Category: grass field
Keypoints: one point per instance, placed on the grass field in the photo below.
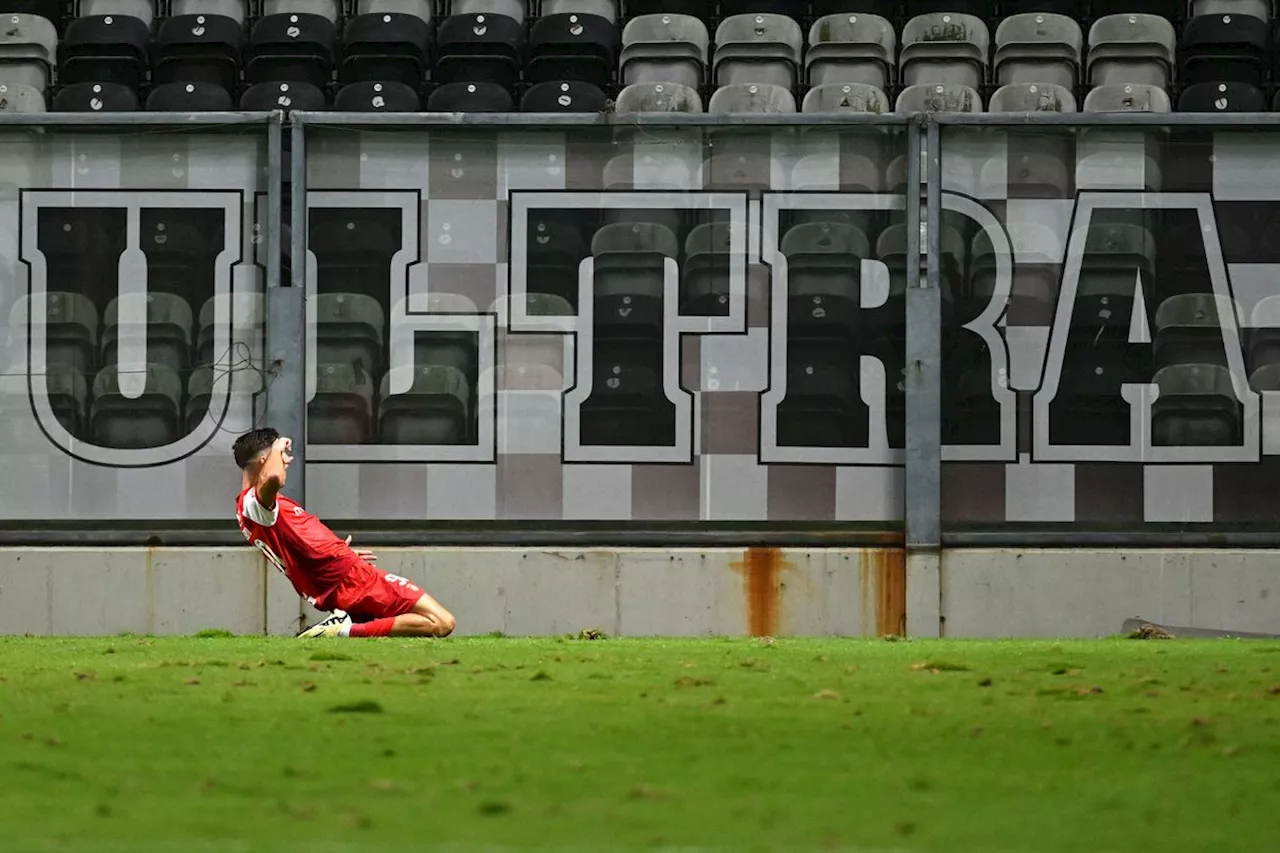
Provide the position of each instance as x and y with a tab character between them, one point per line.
248	744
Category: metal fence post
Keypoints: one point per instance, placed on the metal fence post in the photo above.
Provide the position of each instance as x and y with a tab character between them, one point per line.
286	308
923	379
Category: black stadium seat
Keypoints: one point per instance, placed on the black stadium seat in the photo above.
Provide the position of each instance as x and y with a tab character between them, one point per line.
573	47
294	48
264	97
189	97
105	49
386	46
470	98
479	48
377	97
1224	48
563	97
95	98
199	49
1222	98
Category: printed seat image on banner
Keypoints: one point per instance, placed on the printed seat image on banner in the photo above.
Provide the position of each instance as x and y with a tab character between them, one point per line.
433	410
341	412
150	420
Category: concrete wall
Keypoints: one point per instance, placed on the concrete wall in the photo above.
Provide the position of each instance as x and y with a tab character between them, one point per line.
684	592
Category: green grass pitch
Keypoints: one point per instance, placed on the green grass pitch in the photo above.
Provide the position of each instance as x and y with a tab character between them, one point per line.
251	744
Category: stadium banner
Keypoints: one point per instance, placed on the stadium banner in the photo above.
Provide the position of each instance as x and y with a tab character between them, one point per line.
132	272
1110	358
607	322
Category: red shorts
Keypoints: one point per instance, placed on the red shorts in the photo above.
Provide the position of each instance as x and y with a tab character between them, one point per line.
371	593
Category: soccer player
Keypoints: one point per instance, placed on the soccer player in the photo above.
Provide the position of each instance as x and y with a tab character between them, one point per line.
364	601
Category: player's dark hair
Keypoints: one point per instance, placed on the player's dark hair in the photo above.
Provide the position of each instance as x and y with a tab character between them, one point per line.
248	446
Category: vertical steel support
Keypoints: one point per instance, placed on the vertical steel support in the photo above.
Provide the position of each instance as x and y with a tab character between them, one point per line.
286	305
924	372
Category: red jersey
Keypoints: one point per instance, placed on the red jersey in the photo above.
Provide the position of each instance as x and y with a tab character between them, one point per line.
297	543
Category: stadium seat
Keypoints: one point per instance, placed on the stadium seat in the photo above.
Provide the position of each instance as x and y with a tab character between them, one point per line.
51	10
423	10
823	289
1032	97
1169	9
757	49
658	98
1036	295
386	46
703	9
1038	48
704	276
607	9
822	408
917	8
470	98
846	98
350	329
946	49
627	407
1196	407
1222	98
1069	8
435	409
664	49
630	261
1131	49
376	97
199	49
851	49
556	250
1115	253
70	327
68	395
1125	97
1263	343
754	7
747	98
28	51
330	9
939	98
20	98
167	326
1188	330
263	97
94	98
577	47
1088	408
563	97
247	316
151	420
517	10
479	49
143	10
342	410
292	48
1260	9
1225	49
236	10
106	49
189	97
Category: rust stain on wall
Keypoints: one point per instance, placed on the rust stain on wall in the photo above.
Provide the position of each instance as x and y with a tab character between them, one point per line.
761	570
888	568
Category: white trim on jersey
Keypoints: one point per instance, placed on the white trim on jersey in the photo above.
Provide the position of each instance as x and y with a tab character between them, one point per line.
255	511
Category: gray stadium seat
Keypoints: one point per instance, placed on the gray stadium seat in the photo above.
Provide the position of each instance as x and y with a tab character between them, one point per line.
446	348
1032	97
330	9
629	258
168	329
845	98
1131	49
939	98
657	98
1127	97
151	420
515	9
19	98
423	9
350	329
664	49
234	9
68	391
1265	378
143	10
247	317
28	50
1188	330
1038	48
1260	9
342	410
1196	407
607	9
1264	333
944	48
434	411
851	48
70	328
757	49
738	98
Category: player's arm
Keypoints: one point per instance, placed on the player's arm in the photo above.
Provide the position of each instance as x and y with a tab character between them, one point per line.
271	477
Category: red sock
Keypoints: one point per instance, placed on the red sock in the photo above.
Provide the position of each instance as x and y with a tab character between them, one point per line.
375	628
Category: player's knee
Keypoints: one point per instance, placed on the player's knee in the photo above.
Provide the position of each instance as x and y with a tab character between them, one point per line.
444	623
